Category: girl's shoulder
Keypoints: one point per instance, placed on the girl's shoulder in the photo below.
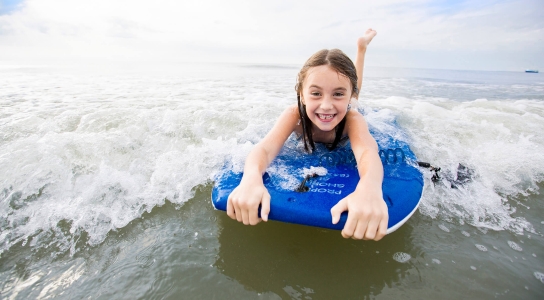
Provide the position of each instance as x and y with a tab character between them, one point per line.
355	122
354	116
292	109
292	114
286	123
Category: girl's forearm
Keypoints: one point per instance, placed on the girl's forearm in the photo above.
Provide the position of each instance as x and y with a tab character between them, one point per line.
370	170
256	163
268	148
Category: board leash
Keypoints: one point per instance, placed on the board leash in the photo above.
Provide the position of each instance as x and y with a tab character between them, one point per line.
434	170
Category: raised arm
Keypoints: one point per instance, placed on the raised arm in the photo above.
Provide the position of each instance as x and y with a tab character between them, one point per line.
362	44
243	203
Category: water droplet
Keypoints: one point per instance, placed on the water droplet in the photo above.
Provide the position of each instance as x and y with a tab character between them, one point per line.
401	257
473	268
436	261
444	228
481	247
465	233
196	234
514	246
534	255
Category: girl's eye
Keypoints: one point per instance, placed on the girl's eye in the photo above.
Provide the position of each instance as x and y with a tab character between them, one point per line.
315	94
338	94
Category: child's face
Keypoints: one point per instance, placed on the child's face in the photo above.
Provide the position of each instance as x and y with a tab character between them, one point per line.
326	94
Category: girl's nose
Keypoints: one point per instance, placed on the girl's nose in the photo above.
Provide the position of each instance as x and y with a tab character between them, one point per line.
326	103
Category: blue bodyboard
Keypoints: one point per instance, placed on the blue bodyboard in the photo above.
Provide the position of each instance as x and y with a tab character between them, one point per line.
402	184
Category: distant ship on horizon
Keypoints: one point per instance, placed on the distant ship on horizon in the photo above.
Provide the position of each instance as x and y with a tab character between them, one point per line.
531	71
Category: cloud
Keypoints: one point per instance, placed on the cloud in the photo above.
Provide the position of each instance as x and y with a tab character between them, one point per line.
271	31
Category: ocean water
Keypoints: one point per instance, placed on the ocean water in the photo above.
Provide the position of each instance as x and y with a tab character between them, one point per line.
106	173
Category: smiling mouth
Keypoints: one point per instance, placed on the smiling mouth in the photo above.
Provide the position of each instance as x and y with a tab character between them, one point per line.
325	117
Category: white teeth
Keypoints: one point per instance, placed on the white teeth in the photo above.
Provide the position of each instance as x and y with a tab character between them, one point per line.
325	117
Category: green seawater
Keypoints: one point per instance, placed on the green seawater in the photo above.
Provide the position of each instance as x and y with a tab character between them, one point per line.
194	252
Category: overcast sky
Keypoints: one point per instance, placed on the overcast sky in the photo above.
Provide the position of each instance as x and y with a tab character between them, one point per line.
473	35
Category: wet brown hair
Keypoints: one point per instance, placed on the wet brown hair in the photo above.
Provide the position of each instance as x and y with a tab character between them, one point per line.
341	63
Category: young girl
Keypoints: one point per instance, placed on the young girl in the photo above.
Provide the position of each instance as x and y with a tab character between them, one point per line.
327	87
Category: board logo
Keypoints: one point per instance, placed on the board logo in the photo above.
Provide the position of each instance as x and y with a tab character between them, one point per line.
345	157
327	187
340	157
392	156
